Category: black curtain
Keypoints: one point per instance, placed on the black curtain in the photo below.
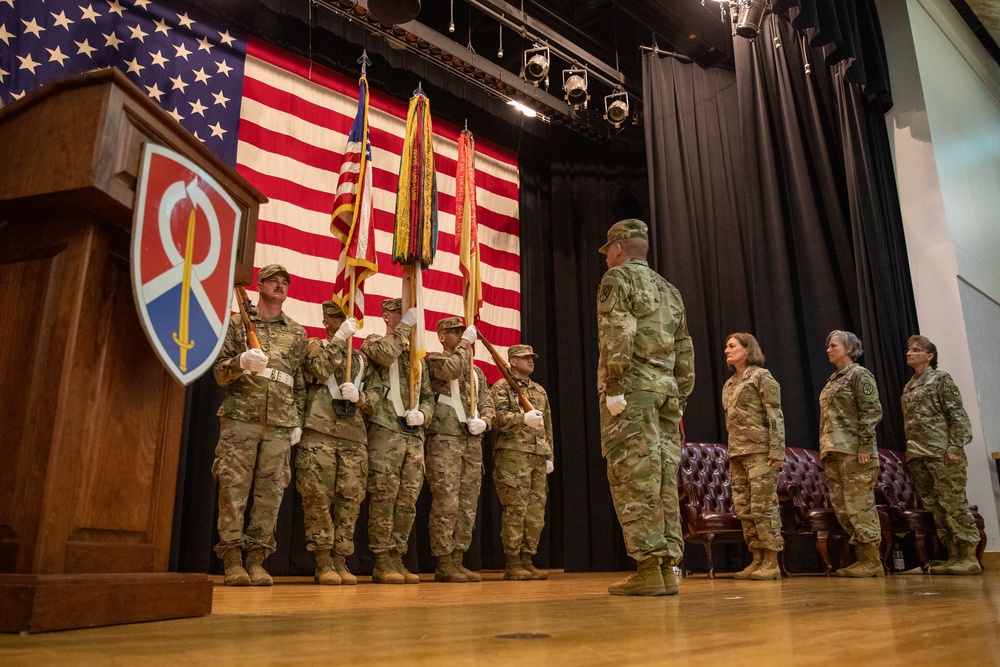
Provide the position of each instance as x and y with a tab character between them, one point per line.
775	210
566	206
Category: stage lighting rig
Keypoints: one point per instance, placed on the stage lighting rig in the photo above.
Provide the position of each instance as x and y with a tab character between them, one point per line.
616	108
575	87
535	66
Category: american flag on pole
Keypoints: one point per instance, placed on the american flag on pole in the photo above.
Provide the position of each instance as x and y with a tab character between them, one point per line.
283	124
352	215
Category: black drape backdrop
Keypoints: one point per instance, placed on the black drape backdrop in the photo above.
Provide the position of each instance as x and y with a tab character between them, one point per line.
780	216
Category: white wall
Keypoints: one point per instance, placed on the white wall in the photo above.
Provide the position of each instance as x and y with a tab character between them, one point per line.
945	134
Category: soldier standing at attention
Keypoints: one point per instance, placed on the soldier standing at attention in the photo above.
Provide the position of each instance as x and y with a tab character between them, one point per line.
522	457
261	420
849	411
644	375
395	446
332	461
937	431
455	449
751	400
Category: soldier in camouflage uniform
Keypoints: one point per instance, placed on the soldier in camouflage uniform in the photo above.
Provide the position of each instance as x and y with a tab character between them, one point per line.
332	459
455	449
849	411
261	420
522	457
395	446
937	430
644	376
751	400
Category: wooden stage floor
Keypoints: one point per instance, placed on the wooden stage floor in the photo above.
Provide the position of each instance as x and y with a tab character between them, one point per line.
906	619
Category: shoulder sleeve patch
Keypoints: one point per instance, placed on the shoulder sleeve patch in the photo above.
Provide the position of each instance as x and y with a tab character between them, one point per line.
609	291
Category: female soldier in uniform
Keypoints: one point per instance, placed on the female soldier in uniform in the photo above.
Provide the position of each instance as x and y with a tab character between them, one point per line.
937	430
751	399
849	410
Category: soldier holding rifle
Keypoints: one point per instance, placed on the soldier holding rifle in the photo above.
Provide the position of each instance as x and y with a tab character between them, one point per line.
522	457
261	368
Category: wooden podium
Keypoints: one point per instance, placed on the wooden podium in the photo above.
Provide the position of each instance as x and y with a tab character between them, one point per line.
90	422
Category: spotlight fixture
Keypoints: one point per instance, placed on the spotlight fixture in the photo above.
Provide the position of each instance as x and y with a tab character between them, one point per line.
750	17
745	15
394	12
575	87
616	108
535	66
523	108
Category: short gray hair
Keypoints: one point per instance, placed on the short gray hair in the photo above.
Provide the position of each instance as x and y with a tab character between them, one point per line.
848	340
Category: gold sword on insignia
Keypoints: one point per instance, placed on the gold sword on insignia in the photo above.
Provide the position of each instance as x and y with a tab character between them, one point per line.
181	337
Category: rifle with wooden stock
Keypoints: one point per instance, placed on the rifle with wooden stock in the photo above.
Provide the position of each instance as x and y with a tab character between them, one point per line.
522	398
248	313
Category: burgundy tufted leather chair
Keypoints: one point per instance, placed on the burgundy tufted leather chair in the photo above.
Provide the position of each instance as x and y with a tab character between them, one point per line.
897	495
804	499
706	498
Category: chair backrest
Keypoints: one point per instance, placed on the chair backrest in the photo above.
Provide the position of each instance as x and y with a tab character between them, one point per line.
704	473
894	474
803	468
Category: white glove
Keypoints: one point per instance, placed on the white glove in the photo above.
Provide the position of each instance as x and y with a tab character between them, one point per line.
476	426
549	467
347	329
409	317
349	392
414	418
253	360
534	418
296	435
616	404
470	334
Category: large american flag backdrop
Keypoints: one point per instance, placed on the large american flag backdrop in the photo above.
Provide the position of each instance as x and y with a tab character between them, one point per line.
282	122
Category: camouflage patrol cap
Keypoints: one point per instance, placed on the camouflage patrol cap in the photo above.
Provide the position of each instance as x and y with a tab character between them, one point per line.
520	351
271	269
446	323
333	309
625	229
390	305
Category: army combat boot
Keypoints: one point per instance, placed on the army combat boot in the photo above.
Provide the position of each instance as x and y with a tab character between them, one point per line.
397	563
942	566
255	567
758	557
515	570
235	574
648	580
385	572
530	567
669	578
340	567
325	575
447	572
457	556
869	563
768	569
966	563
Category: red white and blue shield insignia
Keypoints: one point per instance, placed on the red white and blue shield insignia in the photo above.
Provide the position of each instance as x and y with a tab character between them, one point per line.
183	257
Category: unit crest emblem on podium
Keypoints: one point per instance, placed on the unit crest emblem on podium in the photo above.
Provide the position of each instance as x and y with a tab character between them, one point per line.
183	258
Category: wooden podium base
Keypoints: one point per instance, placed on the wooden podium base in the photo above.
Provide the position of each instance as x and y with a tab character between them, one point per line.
39	603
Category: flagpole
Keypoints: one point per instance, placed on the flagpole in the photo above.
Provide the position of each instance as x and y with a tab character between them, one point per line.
470	321
410	278
350	339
